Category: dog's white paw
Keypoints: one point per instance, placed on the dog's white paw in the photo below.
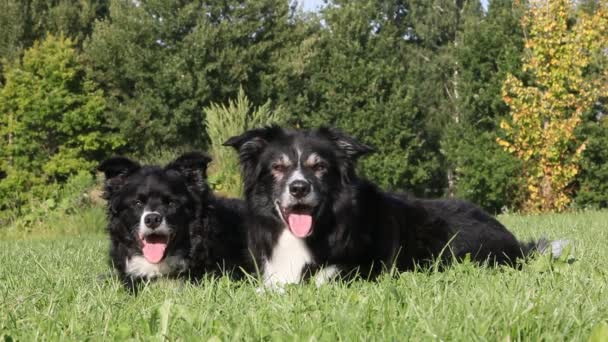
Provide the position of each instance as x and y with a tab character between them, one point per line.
558	247
326	274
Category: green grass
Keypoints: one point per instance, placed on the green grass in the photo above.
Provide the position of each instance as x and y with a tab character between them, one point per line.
49	290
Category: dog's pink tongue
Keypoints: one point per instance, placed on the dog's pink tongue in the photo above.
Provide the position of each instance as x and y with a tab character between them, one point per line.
154	248
300	224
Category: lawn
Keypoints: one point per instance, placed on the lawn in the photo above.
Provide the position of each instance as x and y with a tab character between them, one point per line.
50	291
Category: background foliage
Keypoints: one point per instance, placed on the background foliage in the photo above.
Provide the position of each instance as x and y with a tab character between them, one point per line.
420	80
52	122
223	122
548	108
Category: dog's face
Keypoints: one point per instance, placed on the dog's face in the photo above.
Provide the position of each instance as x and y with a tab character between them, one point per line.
294	175
151	207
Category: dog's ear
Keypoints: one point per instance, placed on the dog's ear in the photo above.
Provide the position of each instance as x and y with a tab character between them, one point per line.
116	170
250	146
193	166
251	143
351	150
351	147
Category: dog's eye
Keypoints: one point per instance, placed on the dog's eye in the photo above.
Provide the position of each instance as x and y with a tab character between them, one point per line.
138	203
319	167
279	168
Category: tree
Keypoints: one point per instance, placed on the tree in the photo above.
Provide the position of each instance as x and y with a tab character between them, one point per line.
547	106
359	77
488	47
52	124
22	22
161	62
592	182
436	29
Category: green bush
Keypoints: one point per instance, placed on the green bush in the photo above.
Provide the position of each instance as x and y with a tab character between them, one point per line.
52	125
485	173
54	201
161	156
593	177
223	122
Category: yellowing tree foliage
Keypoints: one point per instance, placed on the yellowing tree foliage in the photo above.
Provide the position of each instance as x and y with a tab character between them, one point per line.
546	107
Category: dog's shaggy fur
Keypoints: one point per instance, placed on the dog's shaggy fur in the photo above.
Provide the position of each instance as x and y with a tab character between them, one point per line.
311	215
164	221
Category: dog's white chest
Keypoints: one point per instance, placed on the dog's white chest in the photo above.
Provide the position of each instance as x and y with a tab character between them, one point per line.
138	266
287	261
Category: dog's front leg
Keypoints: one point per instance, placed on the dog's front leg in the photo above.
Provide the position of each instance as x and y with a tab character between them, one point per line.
133	284
287	262
277	275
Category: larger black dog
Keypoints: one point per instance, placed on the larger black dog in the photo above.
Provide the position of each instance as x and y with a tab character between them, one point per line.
164	221
311	213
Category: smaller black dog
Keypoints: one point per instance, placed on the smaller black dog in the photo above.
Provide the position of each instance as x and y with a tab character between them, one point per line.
164	221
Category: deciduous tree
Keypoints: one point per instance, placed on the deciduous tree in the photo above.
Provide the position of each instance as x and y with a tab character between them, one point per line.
547	105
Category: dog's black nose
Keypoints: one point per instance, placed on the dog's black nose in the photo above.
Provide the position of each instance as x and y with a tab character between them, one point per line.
299	188
153	220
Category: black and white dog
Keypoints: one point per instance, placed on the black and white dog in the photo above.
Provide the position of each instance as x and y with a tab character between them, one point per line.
312	215
164	221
